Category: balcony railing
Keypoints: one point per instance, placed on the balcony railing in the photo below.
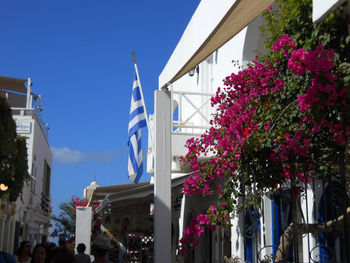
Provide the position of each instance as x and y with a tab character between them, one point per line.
185	123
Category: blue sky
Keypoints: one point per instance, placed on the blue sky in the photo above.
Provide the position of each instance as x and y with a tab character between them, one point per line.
78	54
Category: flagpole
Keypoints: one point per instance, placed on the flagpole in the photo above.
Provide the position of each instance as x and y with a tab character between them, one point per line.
142	98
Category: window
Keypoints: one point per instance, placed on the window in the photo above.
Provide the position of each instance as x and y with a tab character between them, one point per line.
47	179
45	195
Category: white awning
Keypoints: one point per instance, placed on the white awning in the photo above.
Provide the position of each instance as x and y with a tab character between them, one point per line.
212	25
140	193
102	191
321	8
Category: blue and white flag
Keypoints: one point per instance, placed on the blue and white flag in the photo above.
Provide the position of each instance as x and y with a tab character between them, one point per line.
136	122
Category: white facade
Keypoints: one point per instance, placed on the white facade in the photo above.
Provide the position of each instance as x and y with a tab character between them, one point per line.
191	111
191	114
31	218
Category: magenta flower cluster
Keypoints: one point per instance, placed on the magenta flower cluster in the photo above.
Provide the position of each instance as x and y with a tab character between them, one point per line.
82	202
243	107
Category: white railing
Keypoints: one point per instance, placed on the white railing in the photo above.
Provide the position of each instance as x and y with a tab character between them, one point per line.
185	123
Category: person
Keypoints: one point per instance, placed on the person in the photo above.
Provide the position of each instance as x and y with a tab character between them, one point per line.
81	257
124	230
122	236
122	233
100	247
51	248
62	242
6	257
123	254
39	254
23	253
63	255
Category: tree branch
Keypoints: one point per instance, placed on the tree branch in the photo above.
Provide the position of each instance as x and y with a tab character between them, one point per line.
293	230
279	116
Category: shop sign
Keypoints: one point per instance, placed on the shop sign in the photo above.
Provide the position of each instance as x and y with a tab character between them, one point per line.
23	127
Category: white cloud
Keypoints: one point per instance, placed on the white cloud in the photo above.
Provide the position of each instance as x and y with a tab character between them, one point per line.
66	155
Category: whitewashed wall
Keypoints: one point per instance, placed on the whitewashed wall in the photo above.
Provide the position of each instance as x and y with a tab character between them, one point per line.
321	8
28	208
206	79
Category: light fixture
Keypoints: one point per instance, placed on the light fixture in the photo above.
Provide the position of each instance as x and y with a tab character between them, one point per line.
194	70
3	187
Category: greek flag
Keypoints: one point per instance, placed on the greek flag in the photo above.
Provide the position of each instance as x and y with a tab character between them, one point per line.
136	122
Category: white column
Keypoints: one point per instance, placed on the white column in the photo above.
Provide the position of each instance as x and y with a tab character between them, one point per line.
83	227
268	210
307	209
182	216
241	235
162	175
262	232
234	237
29	90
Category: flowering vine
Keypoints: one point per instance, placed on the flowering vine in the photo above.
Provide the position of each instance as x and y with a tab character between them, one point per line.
278	121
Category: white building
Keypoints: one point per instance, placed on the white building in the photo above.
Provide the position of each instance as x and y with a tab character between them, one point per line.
216	35
30	219
219	32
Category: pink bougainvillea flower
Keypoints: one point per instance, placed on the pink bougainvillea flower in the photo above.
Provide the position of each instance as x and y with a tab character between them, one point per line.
253	101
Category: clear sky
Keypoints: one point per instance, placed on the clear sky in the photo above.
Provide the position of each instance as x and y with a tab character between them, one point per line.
78	54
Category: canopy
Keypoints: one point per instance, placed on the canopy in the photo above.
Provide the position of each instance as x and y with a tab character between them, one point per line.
138	194
13	84
101	191
190	52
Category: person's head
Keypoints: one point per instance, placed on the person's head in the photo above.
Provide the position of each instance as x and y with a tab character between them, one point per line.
63	255
101	246
62	240
81	248
51	245
125	223
39	254
24	248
